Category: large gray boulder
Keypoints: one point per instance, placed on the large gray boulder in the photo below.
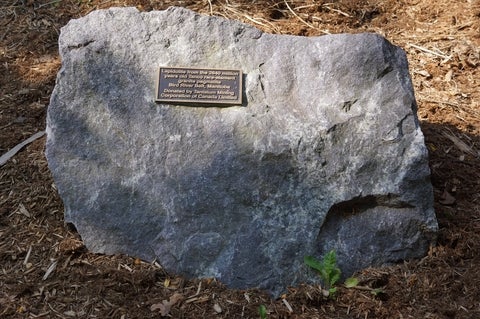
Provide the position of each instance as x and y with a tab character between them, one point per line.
325	153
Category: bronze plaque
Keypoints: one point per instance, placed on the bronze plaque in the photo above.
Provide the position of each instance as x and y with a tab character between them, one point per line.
194	86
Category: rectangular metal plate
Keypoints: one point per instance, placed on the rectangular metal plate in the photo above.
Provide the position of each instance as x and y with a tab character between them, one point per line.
199	86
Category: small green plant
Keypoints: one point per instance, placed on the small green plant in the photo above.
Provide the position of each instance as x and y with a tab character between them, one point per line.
351	282
377	292
262	310
327	269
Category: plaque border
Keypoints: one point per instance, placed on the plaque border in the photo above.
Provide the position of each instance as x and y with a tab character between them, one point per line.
238	101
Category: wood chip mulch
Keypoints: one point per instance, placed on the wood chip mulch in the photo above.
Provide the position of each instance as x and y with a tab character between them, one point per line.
46	272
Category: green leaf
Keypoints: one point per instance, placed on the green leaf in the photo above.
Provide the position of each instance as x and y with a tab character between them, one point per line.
313	263
377	292
327	268
330	261
331	271
351	282
324	275
334	276
332	291
262	310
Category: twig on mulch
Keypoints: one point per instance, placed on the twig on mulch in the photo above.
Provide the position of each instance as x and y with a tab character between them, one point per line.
337	11
461	145
267	24
468	110
299	18
210	6
441	54
5	157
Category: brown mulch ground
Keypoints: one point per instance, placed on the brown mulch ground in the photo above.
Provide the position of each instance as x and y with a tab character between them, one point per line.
45	272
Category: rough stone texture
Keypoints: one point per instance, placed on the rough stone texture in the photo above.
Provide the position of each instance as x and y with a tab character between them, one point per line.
326	152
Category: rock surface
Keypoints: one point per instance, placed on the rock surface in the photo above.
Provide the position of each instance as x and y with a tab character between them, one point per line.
325	153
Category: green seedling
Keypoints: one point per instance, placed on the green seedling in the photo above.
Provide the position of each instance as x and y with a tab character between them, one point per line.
327	269
351	282
262	310
377	292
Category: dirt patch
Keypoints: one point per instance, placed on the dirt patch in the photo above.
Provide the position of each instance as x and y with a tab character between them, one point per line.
46	272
